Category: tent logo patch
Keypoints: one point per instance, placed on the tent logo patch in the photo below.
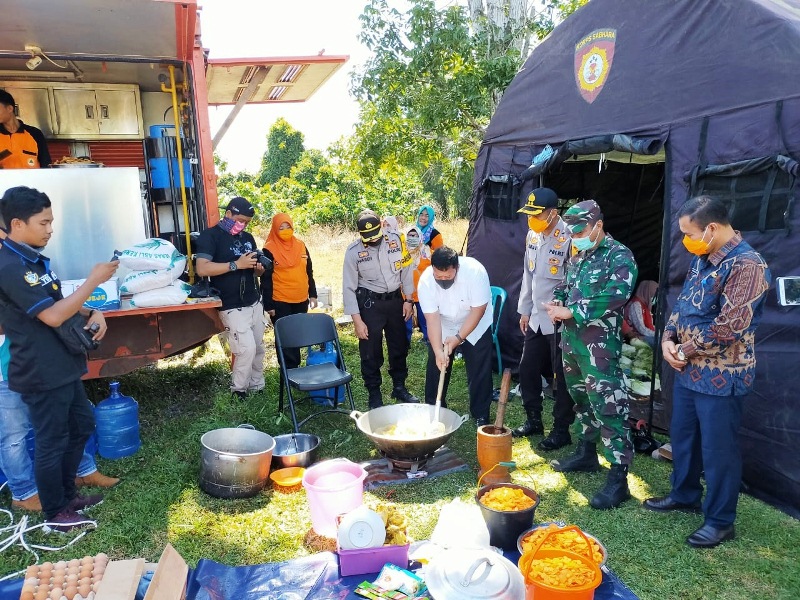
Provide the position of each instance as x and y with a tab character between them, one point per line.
593	57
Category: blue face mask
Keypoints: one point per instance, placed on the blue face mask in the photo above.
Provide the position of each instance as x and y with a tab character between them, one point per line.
584	243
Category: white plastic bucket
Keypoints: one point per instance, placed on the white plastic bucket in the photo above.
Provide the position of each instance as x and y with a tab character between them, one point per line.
333	487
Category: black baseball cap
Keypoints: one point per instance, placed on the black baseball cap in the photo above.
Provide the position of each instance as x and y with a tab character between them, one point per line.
539	200
241	206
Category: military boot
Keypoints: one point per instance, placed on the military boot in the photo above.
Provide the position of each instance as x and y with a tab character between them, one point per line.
558	438
584	459
375	399
401	394
615	492
533	426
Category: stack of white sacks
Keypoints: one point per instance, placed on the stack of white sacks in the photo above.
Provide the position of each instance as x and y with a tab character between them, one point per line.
155	266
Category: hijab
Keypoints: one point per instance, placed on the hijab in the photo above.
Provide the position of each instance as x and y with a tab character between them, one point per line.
428	229
646	291
287	253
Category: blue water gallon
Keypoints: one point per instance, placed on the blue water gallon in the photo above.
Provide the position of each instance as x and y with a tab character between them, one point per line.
117	419
318	356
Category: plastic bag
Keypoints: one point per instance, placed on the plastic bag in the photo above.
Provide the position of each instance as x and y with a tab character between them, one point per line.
142	281
461	525
152	253
175	293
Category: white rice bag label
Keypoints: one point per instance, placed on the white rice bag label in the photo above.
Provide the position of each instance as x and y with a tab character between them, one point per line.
175	293
151	254
142	281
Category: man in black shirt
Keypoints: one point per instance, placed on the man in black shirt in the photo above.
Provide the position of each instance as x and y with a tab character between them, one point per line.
227	254
42	369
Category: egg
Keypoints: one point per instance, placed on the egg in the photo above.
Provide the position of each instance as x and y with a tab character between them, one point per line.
102	556
74	562
73	570
84	581
72	578
41	594
26	595
84	589
56	593
70	591
87	560
60	565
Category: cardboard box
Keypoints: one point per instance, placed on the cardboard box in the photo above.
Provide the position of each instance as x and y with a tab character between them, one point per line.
169	581
371	560
104	297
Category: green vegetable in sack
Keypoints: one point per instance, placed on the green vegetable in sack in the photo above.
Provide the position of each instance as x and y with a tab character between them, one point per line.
628	350
640	388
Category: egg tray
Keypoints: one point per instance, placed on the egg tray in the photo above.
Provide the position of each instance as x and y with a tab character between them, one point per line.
76	579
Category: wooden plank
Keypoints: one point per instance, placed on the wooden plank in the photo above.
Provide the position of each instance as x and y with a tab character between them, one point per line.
120	580
169	581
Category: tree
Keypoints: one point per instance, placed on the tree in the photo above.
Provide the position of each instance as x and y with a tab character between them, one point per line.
434	80
284	148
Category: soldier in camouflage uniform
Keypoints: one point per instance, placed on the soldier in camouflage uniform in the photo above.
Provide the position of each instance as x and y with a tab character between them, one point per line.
599	281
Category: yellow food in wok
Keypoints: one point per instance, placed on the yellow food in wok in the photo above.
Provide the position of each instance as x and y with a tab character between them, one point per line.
416	429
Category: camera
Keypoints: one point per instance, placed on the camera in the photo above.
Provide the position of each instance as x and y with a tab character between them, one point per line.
85	335
264	261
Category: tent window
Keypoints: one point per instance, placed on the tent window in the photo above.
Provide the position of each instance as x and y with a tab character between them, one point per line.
758	201
501	197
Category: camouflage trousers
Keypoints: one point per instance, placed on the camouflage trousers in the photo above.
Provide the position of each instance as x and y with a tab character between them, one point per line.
601	404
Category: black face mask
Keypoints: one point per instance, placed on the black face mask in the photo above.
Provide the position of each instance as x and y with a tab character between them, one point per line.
446	284
375	243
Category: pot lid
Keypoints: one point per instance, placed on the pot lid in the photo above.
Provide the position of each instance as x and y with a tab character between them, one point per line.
361	528
463	574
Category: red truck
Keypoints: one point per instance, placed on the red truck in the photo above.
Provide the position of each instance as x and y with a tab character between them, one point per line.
110	82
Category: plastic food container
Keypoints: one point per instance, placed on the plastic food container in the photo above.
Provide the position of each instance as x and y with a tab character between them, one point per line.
603	549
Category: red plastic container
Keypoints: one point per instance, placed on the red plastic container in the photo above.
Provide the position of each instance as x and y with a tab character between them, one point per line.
371	560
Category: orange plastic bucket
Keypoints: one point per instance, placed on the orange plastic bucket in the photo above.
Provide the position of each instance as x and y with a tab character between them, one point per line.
538	590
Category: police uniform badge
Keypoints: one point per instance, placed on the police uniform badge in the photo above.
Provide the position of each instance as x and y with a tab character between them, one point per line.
556	233
393	245
558	246
31	278
363	254
562	239
554	270
553	261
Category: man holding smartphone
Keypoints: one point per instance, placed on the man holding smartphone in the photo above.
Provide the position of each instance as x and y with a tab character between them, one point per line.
710	342
227	254
42	369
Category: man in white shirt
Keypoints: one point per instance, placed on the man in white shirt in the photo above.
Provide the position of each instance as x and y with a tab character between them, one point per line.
454	294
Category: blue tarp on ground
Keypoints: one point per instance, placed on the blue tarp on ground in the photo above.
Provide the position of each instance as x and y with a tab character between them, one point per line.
314	577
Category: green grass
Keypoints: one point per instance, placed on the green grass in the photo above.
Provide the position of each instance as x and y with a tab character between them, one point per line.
159	500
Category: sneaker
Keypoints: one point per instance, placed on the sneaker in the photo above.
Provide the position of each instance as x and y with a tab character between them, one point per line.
80	503
32	504
238	395
65	521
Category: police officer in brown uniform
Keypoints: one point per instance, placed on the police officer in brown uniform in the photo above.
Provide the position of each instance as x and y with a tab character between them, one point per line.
375	281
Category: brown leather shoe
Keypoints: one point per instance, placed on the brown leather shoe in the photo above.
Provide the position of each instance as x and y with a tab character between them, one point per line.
31	504
97	479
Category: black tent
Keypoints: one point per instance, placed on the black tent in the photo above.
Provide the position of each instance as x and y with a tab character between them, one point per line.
641	104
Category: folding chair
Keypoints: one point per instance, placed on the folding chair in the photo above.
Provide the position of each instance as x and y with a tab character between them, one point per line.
310	329
499	297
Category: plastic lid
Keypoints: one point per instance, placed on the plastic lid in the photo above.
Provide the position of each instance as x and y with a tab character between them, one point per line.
460	574
361	528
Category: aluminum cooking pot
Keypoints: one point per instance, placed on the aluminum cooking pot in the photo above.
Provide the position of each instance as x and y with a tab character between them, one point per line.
378	418
480	574
295	450
235	461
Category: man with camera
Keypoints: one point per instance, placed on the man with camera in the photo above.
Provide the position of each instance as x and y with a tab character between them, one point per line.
43	368
229	256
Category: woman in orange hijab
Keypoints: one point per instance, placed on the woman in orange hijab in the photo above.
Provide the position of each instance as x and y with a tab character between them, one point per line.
289	289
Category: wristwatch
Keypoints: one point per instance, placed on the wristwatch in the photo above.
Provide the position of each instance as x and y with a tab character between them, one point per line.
460	339
409	300
232	266
681	355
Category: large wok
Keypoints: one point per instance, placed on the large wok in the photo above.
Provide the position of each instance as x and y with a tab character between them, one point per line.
384	416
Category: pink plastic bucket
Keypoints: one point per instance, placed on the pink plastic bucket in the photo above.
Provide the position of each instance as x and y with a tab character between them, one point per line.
333	487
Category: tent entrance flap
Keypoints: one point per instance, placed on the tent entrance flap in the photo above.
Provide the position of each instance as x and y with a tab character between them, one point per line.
631	197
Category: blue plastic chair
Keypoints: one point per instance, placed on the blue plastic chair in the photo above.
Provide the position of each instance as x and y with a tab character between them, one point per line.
499	297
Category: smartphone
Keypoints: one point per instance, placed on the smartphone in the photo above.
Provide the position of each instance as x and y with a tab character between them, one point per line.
788	291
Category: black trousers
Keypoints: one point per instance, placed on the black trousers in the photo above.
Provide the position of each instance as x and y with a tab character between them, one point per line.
541	356
62	421
291	356
383	316
478	361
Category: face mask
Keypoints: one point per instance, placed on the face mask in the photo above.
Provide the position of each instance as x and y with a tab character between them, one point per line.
374	243
285	234
584	243
538	225
697	247
231	226
237	228
412	242
446	284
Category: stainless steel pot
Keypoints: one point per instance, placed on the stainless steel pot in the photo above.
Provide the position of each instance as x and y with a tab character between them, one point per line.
378	418
235	461
295	450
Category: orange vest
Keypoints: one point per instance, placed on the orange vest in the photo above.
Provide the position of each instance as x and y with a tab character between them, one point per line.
24	150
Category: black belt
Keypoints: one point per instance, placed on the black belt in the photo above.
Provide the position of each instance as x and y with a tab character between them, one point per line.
365	293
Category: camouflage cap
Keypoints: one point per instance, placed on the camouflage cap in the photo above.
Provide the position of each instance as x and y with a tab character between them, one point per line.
581	214
539	200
